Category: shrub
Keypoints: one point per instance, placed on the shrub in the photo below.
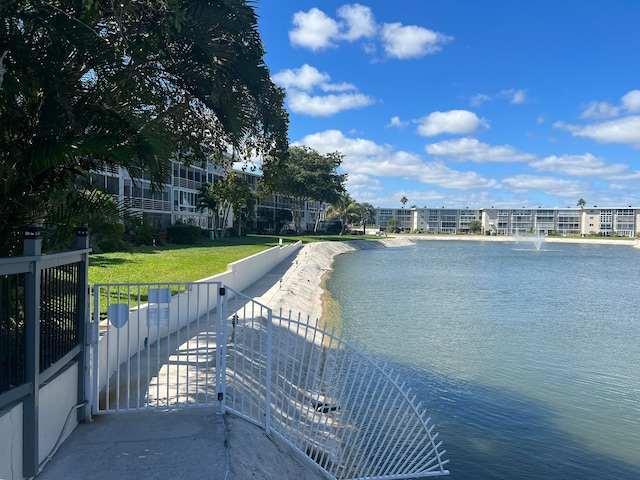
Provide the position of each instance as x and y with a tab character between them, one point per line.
109	239
184	234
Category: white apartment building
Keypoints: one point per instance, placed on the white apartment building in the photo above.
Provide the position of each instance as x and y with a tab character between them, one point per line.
596	221
177	199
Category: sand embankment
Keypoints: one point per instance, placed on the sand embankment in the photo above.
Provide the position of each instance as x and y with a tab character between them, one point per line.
508	238
296	285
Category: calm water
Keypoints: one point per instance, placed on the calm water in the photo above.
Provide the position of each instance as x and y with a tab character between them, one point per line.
529	360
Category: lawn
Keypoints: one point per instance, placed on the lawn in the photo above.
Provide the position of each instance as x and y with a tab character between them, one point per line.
175	263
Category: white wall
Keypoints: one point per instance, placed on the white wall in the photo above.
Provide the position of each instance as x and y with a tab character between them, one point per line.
119	344
245	272
56	416
57	399
11	443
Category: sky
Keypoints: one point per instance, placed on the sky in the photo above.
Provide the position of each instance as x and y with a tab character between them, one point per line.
465	103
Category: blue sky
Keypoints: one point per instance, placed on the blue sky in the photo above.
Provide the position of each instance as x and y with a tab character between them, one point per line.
465	103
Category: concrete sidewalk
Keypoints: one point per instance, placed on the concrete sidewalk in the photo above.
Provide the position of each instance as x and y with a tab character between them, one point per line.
189	443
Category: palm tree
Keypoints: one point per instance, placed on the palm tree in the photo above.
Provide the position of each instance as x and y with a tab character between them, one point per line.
346	209
404	201
581	203
365	210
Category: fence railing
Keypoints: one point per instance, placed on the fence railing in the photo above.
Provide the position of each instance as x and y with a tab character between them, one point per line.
325	397
60	318
43	306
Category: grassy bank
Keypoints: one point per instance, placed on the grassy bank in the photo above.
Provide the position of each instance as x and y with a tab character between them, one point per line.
175	263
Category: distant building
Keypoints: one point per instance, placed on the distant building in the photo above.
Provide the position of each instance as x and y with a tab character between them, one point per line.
596	221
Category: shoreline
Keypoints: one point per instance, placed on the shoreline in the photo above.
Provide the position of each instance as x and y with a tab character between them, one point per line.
298	285
632	242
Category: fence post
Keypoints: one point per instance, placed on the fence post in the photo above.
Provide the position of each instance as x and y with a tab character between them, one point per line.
84	383
221	348
267	426
32	248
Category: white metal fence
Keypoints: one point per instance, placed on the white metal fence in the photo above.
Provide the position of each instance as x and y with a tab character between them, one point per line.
197	344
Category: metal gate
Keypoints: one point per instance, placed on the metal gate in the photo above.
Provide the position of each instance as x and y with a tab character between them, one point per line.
155	346
177	345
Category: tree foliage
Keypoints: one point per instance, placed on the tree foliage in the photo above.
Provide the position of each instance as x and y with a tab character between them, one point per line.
304	174
475	226
346	209
392	226
226	195
93	84
365	212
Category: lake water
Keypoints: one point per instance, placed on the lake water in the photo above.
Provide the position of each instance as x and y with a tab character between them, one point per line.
529	361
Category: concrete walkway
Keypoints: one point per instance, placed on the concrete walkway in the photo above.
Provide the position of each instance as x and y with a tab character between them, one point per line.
178	444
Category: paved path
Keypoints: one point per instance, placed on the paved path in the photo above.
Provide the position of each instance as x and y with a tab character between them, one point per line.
179	444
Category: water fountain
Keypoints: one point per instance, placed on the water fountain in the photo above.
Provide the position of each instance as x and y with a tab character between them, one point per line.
517	235
537	238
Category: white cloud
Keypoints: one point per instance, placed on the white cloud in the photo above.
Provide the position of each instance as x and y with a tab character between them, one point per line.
316	30
513	96
334	140
518	96
472	150
586	165
411	41
337	87
629	104
358	22
396	122
453	121
364	157
326	105
631	101
437	173
358	181
299	82
480	98
548	185
597	110
304	78
624	130
576	165
307	78
313	29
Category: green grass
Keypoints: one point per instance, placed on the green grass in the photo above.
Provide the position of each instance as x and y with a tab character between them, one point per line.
174	263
